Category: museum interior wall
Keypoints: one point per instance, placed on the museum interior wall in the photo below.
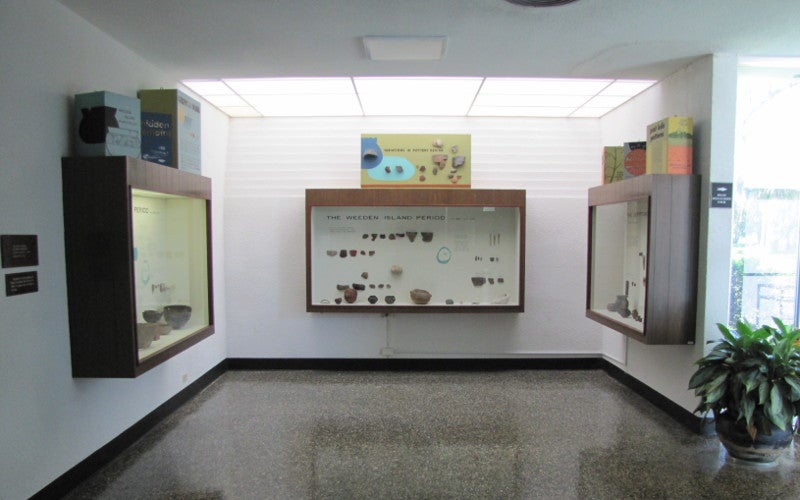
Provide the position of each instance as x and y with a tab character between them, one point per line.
51	421
272	161
260	169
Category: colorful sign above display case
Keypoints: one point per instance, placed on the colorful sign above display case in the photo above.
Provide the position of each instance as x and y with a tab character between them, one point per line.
415	161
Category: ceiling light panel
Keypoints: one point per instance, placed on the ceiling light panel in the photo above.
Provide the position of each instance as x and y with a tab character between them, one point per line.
240	112
420	96
543	86
405	48
289	86
417	96
209	87
521	111
517	100
306	105
627	88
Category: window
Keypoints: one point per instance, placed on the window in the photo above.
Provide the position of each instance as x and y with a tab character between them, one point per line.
766	202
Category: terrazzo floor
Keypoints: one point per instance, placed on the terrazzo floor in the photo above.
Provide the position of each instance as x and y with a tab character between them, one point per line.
515	434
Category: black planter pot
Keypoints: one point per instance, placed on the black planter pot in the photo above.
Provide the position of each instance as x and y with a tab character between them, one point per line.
763	449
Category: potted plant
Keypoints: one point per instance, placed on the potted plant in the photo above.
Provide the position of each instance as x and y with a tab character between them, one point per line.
751	382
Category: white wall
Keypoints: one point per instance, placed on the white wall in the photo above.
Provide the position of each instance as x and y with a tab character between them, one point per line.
49	421
272	161
705	90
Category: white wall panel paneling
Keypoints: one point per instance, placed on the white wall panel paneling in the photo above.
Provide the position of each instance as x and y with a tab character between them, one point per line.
272	161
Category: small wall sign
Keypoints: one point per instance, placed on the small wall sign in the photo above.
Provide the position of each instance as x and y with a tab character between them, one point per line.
721	195
19	250
20	283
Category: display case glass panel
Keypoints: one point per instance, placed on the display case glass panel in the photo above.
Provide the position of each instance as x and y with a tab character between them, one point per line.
415	250
619	262
170	257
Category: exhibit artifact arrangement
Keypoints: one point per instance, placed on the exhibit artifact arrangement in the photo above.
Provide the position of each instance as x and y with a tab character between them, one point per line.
137	240
415	250
642	265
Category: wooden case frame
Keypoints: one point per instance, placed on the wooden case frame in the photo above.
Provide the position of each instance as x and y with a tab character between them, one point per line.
98	234
672	246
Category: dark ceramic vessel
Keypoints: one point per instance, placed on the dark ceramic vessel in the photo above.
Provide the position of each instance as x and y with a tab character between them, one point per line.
764	449
177	315
151	315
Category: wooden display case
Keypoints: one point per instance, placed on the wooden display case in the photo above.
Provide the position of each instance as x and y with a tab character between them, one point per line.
367	250
138	252
642	262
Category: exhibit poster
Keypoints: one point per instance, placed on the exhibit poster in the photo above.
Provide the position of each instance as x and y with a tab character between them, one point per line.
415	161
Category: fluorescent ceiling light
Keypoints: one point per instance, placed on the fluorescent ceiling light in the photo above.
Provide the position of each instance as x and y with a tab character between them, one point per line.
290	86
209	87
306	105
544	86
405	48
417	96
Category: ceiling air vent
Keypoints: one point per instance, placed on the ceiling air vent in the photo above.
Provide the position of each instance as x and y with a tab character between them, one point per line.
540	3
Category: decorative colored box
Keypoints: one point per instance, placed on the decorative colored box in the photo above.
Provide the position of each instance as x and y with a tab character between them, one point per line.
669	146
612	164
171	129
107	124
634	159
415	161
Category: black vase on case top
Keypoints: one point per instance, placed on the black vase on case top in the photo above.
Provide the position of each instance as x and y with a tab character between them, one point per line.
95	122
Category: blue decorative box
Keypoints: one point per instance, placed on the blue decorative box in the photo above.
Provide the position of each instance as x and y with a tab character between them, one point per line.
107	124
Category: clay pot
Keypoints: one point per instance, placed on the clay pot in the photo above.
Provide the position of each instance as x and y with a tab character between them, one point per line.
151	315
177	315
763	449
145	334
420	297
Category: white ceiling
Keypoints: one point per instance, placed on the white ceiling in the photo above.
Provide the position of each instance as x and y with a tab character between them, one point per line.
199	39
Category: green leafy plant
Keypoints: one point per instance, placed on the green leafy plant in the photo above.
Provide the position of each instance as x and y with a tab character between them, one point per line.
751	374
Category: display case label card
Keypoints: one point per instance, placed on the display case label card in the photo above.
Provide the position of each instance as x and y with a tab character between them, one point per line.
721	195
19	250
20	283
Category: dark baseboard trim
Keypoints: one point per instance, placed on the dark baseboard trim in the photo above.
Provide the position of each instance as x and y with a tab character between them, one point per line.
415	364
698	425
91	464
73	477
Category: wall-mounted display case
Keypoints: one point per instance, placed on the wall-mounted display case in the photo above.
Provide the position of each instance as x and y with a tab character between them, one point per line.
415	250
642	265
138	254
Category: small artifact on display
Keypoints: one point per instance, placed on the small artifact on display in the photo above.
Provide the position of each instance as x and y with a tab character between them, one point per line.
419	296
177	315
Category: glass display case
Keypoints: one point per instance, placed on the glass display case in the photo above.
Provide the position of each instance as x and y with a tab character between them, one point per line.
415	250
137	241
642	275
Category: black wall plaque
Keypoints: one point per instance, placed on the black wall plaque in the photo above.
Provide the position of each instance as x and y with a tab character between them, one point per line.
19	283
19	250
721	195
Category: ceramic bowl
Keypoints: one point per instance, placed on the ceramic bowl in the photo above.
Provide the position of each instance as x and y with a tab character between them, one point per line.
151	315
177	315
145	333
